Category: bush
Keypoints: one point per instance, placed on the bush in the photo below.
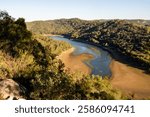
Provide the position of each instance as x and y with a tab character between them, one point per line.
64	87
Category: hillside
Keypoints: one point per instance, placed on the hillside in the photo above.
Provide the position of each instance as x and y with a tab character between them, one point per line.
123	37
128	38
60	26
29	62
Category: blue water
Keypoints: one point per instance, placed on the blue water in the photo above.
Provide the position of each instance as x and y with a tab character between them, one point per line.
99	64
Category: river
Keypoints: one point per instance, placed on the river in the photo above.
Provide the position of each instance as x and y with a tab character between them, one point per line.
99	64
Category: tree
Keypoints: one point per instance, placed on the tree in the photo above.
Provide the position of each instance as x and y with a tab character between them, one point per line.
13	32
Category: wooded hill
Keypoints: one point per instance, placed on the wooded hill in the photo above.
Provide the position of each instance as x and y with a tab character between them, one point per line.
129	38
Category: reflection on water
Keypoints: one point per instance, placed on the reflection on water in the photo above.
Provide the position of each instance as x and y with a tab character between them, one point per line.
99	64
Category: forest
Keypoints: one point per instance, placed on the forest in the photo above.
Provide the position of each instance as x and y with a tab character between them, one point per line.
29	60
129	39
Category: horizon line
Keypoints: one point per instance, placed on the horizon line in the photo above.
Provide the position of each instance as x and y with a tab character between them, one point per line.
89	19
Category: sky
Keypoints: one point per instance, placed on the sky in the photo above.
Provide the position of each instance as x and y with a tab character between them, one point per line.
84	9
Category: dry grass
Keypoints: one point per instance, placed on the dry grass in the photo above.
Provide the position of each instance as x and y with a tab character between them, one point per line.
1	97
10	66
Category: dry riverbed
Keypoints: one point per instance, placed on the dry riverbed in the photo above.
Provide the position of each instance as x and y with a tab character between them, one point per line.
131	81
74	63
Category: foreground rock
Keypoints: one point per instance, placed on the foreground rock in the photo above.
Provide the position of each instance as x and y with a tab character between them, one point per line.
11	90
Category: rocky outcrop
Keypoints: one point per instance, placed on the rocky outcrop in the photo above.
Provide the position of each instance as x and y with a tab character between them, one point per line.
11	90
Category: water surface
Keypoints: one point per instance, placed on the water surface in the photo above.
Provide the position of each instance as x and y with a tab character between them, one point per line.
101	59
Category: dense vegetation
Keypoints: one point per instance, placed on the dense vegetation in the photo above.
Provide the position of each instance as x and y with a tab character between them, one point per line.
126	38
129	38
62	26
30	60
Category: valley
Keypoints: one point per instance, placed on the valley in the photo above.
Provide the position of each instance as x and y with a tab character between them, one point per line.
91	60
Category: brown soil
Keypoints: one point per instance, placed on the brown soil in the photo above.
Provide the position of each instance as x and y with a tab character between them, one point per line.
131	81
74	63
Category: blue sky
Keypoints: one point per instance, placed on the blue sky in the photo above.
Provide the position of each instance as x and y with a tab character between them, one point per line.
84	9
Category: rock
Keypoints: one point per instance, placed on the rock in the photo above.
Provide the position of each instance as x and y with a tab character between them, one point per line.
11	90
